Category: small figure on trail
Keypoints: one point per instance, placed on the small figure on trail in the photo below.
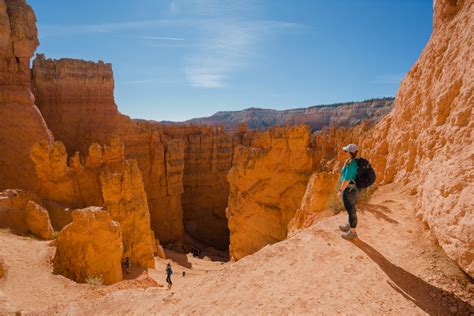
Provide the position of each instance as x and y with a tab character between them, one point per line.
169	272
357	173
128	265
184	273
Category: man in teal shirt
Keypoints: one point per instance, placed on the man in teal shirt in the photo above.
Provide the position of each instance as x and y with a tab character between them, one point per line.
348	191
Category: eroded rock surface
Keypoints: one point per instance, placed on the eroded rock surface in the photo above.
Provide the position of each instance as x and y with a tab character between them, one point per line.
106	178
207	159
21	124
90	248
21	212
76	99
426	141
267	181
37	219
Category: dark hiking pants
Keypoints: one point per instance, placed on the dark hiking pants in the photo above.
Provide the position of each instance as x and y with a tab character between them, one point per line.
168	279
349	197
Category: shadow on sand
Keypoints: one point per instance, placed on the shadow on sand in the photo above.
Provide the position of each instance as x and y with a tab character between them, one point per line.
379	211
431	299
179	258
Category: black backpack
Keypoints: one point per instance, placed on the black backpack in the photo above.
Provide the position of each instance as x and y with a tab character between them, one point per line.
365	173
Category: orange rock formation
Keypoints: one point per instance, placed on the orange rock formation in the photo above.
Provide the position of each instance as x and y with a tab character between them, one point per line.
426	141
267	181
90	247
184	168
76	100
104	177
207	160
37	219
21	125
20	212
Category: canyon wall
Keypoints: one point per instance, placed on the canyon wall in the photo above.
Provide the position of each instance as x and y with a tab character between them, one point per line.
21	124
267	181
76	99
317	117
426	141
184	169
105	178
208	158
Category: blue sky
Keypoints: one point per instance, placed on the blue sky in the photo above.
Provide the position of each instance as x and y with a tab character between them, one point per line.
179	59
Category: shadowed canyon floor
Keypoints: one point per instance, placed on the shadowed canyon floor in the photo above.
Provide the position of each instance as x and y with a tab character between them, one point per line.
394	268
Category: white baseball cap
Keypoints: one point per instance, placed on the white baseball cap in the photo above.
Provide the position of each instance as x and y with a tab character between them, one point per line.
352	148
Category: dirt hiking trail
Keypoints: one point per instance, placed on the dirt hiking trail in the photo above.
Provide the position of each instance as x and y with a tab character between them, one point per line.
394	268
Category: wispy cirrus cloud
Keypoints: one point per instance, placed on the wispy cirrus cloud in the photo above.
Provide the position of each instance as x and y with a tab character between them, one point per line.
228	45
222	36
162	38
48	30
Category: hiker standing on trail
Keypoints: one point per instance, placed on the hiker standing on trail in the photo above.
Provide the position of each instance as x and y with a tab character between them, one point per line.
348	191
169	272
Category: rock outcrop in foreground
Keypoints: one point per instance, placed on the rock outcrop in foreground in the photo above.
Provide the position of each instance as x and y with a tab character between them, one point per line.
90	248
21	213
106	178
267	181
21	124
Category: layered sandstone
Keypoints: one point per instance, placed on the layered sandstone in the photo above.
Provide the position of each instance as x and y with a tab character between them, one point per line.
207	159
104	177
76	99
314	204
90	247
21	125
21	213
317	117
426	141
37	219
267	181
12	210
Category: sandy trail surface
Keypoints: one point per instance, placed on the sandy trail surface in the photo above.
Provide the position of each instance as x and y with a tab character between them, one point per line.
394	268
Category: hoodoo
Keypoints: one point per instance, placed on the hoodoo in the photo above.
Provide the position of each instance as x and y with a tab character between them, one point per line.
106	178
244	209
21	124
90	248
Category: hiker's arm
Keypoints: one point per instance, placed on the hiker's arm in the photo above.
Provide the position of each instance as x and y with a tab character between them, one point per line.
344	185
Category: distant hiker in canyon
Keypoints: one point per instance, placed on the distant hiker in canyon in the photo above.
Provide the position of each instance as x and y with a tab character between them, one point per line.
128	265
169	272
357	173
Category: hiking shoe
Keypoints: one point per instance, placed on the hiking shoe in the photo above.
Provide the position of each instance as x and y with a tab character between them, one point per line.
349	235
344	227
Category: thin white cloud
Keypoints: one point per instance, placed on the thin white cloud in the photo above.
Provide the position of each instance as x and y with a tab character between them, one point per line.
71	29
225	47
162	38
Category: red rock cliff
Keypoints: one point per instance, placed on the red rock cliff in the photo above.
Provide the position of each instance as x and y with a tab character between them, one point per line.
77	101
267	182
21	124
105	178
426	141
